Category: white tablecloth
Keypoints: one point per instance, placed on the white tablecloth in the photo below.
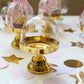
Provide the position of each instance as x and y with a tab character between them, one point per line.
17	73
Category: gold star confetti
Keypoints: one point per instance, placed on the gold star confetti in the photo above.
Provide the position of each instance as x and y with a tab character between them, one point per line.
79	44
69	30
12	59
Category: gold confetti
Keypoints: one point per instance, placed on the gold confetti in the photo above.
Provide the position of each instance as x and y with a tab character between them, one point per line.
12	59
79	44
69	30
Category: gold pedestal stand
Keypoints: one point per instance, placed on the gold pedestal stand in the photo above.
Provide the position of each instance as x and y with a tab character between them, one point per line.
39	45
38	65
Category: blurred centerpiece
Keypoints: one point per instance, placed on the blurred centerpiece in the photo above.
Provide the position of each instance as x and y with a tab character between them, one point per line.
41	40
17	13
51	8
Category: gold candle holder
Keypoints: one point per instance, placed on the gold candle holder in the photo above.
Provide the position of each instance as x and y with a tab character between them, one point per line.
39	43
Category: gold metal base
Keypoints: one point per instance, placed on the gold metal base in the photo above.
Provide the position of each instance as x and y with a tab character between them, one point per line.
15	43
38	65
10	29
54	16
39	45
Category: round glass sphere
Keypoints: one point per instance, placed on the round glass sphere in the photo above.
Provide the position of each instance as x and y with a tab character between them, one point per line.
39	35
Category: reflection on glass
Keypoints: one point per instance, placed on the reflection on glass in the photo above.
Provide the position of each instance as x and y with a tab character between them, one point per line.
4	12
50	8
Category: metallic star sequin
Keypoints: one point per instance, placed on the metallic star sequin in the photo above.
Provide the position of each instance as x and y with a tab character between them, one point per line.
69	30
79	44
13	59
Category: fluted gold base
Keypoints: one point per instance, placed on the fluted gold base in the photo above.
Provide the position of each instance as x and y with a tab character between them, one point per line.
38	65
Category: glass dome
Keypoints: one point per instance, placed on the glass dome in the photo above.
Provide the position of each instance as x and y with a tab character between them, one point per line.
17	12
39	34
50	8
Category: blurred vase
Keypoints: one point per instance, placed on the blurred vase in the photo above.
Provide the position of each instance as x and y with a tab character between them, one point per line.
50	8
17	13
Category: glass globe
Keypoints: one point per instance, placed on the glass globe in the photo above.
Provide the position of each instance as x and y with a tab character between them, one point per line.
39	36
51	8
17	13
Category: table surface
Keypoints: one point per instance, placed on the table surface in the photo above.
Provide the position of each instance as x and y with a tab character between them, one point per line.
18	74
